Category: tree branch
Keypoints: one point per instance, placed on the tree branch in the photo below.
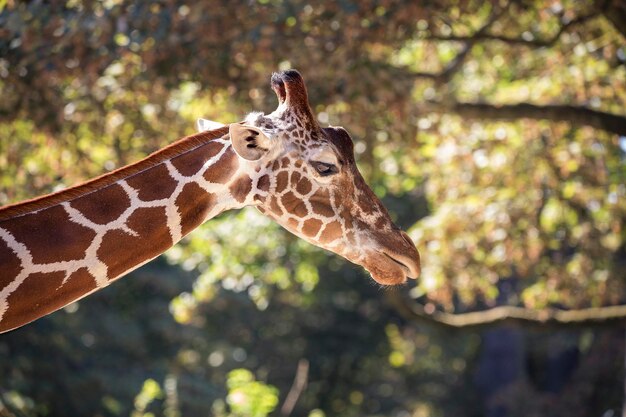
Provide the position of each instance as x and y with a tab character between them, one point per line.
455	64
576	115
537	43
615	12
413	311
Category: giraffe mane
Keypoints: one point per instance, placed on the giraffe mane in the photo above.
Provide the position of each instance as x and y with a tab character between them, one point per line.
177	148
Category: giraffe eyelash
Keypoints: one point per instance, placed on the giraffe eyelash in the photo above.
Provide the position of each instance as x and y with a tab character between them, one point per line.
324	168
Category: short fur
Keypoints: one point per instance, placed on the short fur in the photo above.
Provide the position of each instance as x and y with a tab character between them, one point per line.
179	147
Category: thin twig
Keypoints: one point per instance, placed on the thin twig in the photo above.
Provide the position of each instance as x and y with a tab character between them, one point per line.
298	386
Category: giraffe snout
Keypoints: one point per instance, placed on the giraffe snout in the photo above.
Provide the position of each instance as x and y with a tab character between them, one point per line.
393	260
413	259
404	253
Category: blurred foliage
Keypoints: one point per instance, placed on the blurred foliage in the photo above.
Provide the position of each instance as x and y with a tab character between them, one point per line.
150	391
244	252
522	212
247	397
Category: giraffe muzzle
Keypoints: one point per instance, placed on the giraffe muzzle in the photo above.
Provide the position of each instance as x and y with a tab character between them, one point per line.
395	261
411	267
413	261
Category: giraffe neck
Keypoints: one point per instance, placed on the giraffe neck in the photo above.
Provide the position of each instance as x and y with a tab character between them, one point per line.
59	248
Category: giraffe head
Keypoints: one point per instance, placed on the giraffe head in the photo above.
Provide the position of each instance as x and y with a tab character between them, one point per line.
307	181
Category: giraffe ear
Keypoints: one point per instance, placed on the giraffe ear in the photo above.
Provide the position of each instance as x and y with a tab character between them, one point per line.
204	125
249	142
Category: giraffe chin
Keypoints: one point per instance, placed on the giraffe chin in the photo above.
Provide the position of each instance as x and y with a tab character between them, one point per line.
385	270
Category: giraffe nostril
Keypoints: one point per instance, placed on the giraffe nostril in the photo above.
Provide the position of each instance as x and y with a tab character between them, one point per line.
407	256
396	261
407	238
409	265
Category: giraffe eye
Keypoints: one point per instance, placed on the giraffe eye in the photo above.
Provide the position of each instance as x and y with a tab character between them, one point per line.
325	169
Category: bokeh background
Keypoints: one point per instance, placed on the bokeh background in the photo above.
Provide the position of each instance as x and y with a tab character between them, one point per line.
494	131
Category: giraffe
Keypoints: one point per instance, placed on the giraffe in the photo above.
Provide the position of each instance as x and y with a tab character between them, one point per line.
61	247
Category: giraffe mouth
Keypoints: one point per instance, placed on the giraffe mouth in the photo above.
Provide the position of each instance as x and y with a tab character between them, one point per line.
403	264
391	267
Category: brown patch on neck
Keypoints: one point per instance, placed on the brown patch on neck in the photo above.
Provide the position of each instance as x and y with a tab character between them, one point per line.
179	147
51	244
121	251
43	293
11	264
222	170
194	204
240	188
109	204
161	185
